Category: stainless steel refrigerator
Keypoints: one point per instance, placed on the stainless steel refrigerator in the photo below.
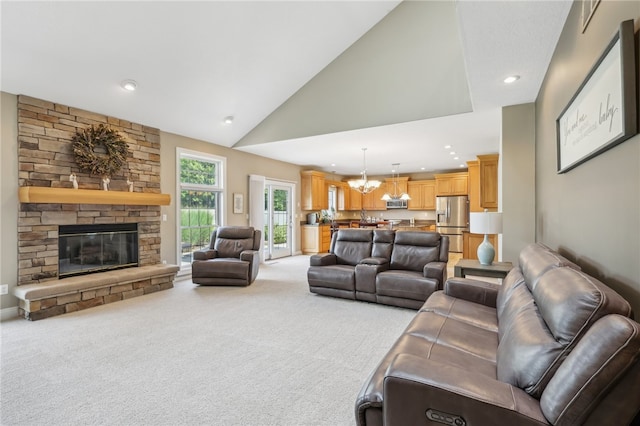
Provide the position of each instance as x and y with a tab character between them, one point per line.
452	217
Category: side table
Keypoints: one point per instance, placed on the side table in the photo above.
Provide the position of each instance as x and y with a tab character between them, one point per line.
466	267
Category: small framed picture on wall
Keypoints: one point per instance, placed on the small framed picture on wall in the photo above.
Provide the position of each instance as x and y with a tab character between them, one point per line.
238	203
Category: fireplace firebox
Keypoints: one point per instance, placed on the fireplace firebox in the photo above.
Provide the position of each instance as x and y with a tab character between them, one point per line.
86	249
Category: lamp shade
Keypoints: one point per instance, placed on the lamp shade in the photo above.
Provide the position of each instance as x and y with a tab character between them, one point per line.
485	223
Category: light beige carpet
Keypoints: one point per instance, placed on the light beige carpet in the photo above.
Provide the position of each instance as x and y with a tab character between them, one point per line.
268	354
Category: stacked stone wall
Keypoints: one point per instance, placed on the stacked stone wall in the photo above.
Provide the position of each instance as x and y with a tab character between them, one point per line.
45	158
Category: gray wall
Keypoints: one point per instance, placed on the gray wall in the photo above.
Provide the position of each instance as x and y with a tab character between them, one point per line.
9	196
517	177
592	213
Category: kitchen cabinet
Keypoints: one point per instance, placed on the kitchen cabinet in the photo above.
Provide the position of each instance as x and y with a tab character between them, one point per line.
396	186
423	195
348	198
452	183
488	181
373	200
473	169
315	238
314	194
483	183
470	243
355	199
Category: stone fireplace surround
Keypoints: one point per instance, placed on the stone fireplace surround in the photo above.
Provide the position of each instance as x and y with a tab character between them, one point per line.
45	159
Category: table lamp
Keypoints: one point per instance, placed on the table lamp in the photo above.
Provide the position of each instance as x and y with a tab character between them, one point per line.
486	223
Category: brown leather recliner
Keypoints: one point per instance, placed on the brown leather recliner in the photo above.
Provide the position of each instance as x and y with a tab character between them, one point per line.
550	346
400	268
233	257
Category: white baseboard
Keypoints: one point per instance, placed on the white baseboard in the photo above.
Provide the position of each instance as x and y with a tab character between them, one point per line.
8	313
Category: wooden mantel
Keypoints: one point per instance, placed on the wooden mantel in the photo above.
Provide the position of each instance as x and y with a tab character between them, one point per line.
46	195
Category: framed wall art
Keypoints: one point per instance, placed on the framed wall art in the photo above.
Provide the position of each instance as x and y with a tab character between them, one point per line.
602	113
238	203
588	9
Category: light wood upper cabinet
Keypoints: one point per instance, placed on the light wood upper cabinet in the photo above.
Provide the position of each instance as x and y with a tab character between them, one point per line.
348	198
423	195
488	181
483	183
452	183
473	168
313	191
355	199
373	200
390	185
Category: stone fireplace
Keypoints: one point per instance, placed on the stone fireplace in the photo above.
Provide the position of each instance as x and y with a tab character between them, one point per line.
45	157
46	160
89	249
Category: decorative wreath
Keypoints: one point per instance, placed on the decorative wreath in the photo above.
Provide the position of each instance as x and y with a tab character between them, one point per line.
85	142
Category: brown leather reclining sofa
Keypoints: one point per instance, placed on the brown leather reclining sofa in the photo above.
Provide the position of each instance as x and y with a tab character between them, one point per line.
550	346
400	268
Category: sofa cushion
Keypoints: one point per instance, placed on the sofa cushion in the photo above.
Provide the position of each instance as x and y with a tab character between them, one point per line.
230	241
569	397
341	277
352	245
413	250
221	268
537	334
476	314
536	259
465	337
382	243
405	285
510	283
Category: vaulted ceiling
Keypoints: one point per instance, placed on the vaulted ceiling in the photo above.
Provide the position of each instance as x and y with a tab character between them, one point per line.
309	82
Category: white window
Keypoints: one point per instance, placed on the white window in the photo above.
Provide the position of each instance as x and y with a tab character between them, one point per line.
200	206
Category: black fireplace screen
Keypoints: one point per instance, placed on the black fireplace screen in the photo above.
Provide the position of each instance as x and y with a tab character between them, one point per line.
85	249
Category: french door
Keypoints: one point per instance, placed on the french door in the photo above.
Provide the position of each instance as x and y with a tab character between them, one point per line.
277	220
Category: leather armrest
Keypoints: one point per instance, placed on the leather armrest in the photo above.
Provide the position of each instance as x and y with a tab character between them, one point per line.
205	254
249	255
374	261
482	292
415	386
323	259
437	270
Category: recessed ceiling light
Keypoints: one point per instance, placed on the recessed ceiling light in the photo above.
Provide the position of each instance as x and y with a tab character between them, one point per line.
129	85
421	168
333	164
228	119
461	165
456	158
511	79
452	153
447	147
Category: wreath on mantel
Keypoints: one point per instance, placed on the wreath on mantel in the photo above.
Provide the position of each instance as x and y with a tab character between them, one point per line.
103	164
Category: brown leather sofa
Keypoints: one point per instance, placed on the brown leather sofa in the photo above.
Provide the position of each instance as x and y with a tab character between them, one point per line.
400	268
233	257
550	346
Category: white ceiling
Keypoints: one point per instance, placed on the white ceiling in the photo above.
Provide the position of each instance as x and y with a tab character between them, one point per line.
198	62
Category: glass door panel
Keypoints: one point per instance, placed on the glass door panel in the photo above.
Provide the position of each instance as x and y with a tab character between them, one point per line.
277	230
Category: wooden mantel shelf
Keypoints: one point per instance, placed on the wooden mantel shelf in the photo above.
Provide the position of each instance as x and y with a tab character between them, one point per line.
46	195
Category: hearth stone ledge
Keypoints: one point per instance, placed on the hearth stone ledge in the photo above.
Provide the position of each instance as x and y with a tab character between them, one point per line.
51	298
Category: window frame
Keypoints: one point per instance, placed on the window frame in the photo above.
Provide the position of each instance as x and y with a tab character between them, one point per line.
220	188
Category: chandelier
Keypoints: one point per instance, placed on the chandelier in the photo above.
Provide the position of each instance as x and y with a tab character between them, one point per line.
395	175
364	186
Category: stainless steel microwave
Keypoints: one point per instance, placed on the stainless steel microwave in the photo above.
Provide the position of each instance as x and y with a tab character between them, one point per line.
397	204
